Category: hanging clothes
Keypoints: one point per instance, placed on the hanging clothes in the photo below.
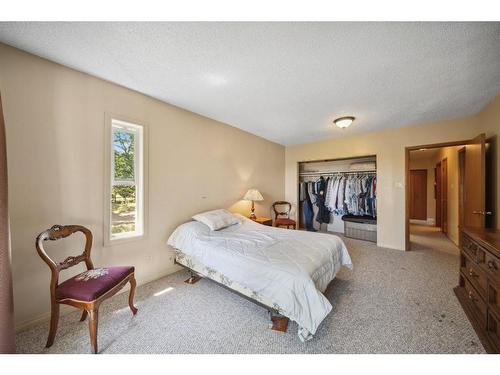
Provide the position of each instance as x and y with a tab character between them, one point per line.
323	215
340	205
328	196
308	212
311	188
353	194
340	194
302	191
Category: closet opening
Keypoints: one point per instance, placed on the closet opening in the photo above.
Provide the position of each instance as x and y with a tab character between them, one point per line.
339	196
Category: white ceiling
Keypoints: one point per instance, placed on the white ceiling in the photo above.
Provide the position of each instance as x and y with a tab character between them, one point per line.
425	154
286	81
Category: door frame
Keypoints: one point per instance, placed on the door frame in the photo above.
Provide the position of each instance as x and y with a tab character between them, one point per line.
407	179
444	196
438	186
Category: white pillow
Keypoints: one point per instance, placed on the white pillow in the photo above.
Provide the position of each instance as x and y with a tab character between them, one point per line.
217	219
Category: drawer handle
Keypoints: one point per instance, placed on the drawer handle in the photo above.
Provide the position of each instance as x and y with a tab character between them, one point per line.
471	297
472	274
491	265
472	247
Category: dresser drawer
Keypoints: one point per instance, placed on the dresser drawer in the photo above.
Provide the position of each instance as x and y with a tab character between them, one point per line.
474	274
494	297
493	329
478	287
469	247
477	304
491	265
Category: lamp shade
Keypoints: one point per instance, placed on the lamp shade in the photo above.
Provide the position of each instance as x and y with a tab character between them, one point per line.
253	195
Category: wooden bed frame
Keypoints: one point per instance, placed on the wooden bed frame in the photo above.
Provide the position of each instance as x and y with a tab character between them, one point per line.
278	322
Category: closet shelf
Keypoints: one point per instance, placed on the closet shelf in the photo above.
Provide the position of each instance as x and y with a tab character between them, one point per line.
305	174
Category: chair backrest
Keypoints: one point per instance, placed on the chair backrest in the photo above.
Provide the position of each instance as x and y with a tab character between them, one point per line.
56	233
281	208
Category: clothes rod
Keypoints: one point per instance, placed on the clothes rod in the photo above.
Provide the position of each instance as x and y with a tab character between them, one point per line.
333	173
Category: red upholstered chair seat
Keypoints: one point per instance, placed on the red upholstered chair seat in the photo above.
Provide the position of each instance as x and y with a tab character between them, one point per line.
284	221
90	285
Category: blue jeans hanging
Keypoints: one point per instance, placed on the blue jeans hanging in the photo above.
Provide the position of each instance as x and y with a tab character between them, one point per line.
308	215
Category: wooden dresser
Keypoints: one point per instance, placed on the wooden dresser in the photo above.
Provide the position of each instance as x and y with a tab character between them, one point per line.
478	289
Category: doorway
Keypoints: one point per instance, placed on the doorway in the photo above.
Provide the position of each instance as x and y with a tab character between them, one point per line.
448	205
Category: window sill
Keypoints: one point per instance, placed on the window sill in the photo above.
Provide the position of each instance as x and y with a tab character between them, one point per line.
110	242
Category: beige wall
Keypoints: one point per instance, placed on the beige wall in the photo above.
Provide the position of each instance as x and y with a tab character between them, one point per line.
427	164
55	125
389	146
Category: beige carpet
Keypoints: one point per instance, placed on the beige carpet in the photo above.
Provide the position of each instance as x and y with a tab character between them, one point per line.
392	302
429	237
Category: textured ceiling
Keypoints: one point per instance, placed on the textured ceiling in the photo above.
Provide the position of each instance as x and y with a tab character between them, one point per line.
286	81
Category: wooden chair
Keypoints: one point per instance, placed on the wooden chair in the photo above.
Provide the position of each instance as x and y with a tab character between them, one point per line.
86	290
283	208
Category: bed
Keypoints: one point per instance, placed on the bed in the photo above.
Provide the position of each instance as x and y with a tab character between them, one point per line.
284	270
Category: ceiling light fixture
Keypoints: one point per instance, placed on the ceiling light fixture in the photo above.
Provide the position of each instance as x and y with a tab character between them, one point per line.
343	122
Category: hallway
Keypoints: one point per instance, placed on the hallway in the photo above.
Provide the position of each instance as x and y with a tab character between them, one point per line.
430	237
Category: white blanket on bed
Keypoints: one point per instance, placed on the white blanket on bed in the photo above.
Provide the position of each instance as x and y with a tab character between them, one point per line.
289	267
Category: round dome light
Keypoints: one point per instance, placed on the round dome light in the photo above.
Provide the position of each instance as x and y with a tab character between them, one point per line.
343	122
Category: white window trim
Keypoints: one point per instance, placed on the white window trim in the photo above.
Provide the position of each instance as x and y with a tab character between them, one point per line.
140	177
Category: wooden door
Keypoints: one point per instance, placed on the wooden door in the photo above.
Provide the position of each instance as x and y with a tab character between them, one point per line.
418	194
437	189
444	195
461	186
475	183
461	189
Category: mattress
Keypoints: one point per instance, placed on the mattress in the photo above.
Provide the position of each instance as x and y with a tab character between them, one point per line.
286	268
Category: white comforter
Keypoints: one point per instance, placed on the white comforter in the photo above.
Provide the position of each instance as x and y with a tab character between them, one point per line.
289	267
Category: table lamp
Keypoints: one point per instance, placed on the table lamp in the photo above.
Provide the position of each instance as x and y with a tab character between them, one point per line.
253	195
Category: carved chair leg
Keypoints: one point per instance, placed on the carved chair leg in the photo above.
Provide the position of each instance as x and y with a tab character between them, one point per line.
84	315
131	295
54	319
93	323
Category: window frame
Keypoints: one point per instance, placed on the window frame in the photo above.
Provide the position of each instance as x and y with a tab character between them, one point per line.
140	131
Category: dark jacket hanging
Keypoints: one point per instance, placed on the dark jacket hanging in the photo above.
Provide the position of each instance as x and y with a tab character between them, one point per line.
323	215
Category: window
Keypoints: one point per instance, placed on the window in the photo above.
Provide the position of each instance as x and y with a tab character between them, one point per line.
125	214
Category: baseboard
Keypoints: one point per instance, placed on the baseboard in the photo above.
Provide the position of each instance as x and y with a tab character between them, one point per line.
430	221
391	247
63	310
452	239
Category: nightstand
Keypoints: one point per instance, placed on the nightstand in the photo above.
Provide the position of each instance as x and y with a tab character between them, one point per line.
264	221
